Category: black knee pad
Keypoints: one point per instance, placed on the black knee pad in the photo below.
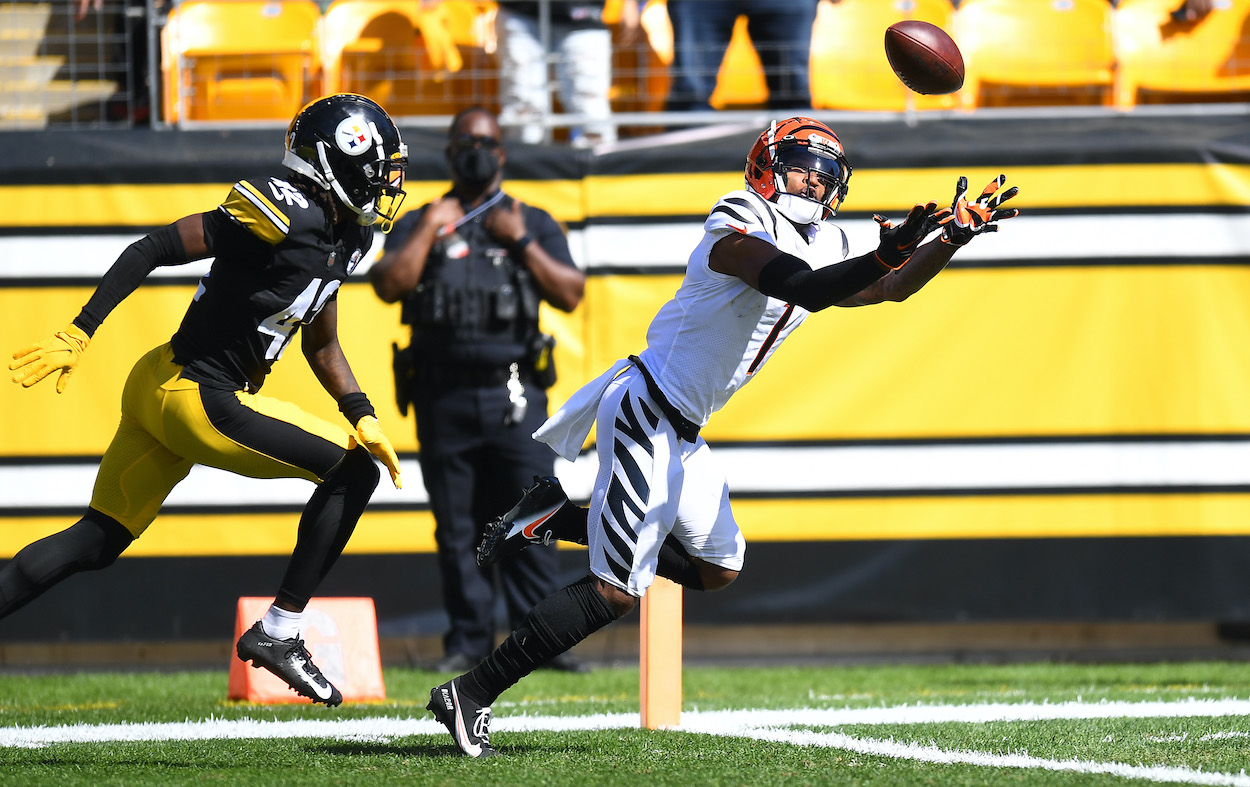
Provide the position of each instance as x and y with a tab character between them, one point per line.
356	471
96	540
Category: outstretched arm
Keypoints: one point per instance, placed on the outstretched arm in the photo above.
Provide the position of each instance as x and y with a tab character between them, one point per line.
173	244
965	221
789	278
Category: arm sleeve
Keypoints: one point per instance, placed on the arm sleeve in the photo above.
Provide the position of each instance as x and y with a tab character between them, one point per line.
792	280
161	247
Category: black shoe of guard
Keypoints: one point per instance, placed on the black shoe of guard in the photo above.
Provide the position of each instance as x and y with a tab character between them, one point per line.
290	661
468	722
529	522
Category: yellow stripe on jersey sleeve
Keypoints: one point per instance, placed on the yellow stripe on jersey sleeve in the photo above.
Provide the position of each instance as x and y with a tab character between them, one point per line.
249	206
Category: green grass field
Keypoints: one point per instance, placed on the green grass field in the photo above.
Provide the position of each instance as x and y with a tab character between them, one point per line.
1046	724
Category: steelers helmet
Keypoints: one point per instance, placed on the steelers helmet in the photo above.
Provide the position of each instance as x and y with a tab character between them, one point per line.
799	143
347	144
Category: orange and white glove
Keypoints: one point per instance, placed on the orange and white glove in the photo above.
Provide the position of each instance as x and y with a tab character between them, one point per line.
58	353
369	433
970	219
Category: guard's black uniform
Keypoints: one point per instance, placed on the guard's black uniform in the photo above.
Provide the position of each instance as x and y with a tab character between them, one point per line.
473	315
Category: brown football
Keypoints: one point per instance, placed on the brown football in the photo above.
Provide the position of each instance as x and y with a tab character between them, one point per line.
924	57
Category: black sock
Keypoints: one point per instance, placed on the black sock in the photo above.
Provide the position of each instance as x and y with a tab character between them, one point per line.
554	625
569	523
329	518
675	564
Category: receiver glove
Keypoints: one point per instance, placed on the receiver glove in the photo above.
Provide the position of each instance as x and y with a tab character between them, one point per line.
973	218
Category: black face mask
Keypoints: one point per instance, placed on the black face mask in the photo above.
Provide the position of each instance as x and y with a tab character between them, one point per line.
475	167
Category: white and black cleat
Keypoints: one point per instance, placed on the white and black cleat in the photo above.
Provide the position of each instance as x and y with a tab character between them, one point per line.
529	522
467	721
290	661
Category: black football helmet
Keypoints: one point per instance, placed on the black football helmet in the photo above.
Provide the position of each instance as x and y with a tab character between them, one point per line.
347	144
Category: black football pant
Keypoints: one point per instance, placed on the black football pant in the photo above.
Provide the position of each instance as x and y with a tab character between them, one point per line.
475	469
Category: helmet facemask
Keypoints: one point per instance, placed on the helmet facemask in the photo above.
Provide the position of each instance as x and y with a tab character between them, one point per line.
828	169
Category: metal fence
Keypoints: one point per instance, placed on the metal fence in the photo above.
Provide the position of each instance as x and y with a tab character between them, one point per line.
181	63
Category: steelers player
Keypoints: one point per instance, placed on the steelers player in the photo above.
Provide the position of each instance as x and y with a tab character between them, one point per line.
660	506
282	249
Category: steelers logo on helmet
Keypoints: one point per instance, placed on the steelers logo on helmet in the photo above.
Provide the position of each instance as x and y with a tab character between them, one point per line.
798	164
353	136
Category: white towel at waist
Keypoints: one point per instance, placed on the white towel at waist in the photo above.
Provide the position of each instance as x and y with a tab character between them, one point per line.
566	431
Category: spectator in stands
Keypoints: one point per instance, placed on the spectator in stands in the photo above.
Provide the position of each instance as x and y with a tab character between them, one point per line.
579	36
1193	10
781	31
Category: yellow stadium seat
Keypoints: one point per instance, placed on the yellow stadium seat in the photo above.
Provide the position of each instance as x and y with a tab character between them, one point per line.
402	54
1161	60
240	59
848	64
740	82
1036	52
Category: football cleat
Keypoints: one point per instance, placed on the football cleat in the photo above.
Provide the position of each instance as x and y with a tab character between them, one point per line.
529	522
290	661
467	721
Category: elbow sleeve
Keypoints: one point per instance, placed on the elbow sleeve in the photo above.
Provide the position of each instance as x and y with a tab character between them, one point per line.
792	280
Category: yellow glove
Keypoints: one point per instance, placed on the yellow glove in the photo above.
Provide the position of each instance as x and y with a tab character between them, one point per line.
61	352
369	433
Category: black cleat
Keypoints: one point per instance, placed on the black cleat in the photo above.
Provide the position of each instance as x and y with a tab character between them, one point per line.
468	722
529	522
290	661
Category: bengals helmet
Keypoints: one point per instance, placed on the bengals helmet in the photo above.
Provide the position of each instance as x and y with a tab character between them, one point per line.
347	144
799	144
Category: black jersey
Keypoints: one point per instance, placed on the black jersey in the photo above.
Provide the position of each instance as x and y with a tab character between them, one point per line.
278	261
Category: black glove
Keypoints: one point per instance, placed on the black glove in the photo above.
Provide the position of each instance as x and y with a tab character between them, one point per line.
970	219
899	241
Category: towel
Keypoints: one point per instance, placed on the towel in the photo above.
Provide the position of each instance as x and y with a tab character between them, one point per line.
566	431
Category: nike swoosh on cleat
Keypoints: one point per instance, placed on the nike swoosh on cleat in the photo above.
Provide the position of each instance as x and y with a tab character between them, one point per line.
321	692
462	735
528	530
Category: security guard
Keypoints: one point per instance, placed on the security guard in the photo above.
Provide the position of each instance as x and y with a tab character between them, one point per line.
471	269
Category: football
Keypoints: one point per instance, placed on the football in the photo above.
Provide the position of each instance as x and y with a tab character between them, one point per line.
924	57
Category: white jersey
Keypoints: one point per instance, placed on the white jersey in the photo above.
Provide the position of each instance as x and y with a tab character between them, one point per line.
718	331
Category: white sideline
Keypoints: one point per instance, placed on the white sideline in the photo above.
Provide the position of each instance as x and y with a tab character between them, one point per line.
769	725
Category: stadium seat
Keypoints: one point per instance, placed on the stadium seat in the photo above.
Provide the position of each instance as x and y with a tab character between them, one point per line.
848	64
1161	60
1036	52
740	82
402	54
240	59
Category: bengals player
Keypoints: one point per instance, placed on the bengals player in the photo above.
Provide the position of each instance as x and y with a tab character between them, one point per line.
282	247
660	506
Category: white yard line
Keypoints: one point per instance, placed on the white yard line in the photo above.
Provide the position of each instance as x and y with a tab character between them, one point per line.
769	725
933	754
